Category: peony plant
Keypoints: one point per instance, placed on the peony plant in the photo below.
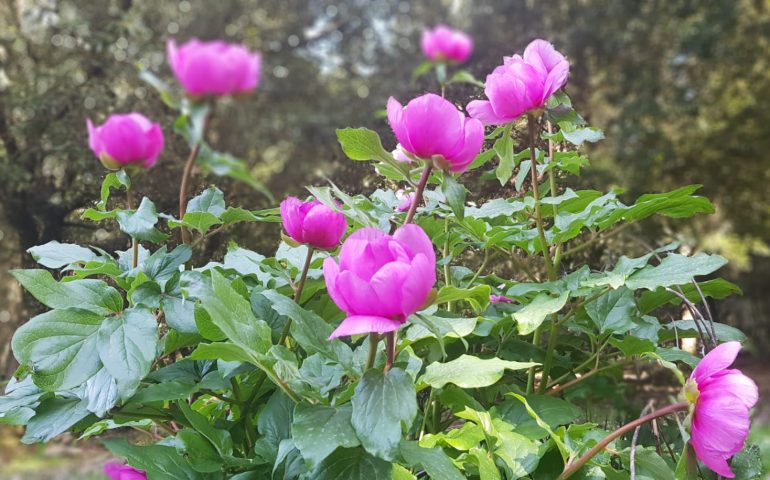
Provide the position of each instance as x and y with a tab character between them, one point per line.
415	332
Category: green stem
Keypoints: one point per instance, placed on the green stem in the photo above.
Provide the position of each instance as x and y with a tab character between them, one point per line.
134	242
586	376
575	466
425	413
552	187
374	340
390	350
531	372
184	185
480	269
298	291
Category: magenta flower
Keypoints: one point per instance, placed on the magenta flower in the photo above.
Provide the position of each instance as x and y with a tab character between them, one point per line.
380	279
312	223
214	68
116	471
444	43
405	200
432	128
499	299
722	399
126	139
521	84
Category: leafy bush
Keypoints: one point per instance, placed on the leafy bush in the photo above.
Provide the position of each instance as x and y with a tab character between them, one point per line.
234	368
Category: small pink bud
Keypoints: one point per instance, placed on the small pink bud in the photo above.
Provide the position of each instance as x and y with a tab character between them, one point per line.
405	200
214	68
126	139
312	223
444	43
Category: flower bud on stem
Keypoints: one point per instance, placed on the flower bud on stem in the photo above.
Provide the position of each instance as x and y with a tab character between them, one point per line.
571	468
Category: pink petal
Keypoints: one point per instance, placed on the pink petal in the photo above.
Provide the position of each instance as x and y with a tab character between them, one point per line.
418	284
433	126
720	426
359	294
331	272
474	140
94	142
731	383
322	227
482	110
292	218
415	238
396	120
360	324
388	284
718	359
359	255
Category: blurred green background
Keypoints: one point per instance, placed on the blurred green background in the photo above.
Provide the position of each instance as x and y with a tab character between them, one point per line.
680	87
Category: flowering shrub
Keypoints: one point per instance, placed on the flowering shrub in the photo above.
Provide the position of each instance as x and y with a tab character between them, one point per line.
377	341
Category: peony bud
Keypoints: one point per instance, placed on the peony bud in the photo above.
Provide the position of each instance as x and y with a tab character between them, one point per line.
444	43
405	200
214	68
431	128
521	84
380	279
126	139
312	223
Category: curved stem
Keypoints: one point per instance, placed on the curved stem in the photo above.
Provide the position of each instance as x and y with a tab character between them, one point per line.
184	187
298	291
445	252
134	242
418	193
573	467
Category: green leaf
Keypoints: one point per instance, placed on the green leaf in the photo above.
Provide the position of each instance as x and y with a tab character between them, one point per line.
434	461
18	404
717	289
101	392
311	332
161	87
477	297
219	438
112	180
674	354
127	347
401	473
632	346
352	464
88	294
226	165
518	452
551	410
747	464
504	148
159	461
464	76
60	346
162	265
383	403
362	144
649	464
179	314
485	463
198	221
54	417
577	136
563	449
534	313
140	223
454	194
211	200
198	451
56	255
613	311
232	314
468	371
275	420
675	269
318	430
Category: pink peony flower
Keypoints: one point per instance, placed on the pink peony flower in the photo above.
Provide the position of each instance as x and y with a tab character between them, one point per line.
126	139
722	399
521	84
431	127
312	223
380	279
214	68
444	43
499	299
116	471
405	200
